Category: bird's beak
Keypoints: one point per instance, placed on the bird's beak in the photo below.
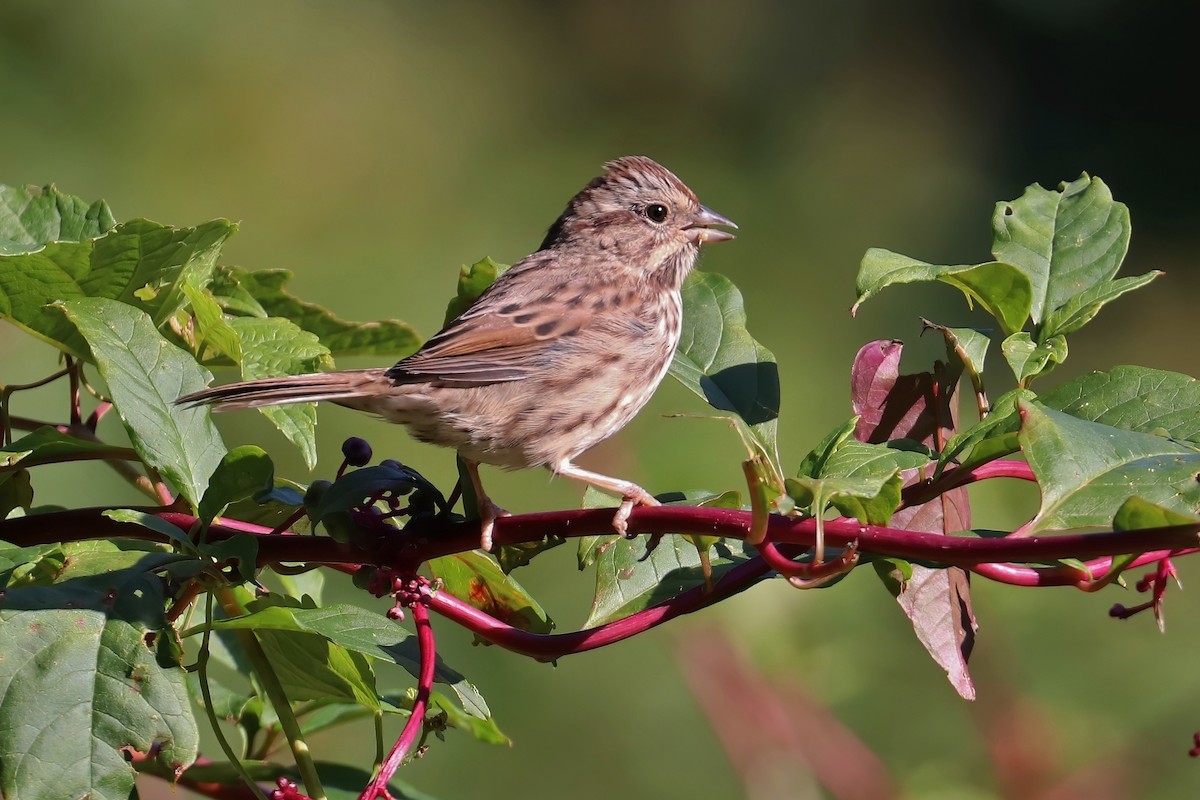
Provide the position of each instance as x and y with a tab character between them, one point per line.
700	230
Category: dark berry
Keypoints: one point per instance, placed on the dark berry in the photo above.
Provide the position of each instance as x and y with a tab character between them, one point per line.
356	451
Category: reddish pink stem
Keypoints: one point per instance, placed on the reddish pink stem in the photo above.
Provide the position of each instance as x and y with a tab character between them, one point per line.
416	721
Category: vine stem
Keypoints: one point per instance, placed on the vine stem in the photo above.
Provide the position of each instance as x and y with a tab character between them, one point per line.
416	720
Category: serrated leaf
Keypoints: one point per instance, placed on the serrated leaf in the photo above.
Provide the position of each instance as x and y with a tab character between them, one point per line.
1028	359
275	346
135	263
472	282
721	362
1000	288
145	374
31	217
1087	470
813	463
1135	399
232	287
474	578
1065	241
87	670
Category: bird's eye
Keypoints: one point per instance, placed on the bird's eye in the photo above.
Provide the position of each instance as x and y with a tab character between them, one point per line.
656	212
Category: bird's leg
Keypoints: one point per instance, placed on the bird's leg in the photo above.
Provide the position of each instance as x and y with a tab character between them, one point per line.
488	511
631	493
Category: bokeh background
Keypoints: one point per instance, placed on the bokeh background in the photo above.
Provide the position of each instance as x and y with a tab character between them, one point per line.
374	147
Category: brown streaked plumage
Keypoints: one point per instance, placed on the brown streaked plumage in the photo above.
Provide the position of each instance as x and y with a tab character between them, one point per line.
559	354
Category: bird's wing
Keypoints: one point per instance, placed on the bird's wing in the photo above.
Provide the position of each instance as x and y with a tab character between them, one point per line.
508	335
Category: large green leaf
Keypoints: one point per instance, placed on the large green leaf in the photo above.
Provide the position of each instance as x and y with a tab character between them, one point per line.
262	293
1134	399
145	374
1087	469
719	360
136	263
1065	241
30	217
88	672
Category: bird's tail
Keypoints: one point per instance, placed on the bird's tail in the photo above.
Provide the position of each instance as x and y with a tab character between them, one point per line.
334	386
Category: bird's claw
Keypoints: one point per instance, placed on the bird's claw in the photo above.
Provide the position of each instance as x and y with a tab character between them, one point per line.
620	521
489	512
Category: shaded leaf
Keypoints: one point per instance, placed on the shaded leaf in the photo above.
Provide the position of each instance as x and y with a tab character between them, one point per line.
922	408
242	472
721	362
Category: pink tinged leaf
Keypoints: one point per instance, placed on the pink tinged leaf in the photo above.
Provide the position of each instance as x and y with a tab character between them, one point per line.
921	407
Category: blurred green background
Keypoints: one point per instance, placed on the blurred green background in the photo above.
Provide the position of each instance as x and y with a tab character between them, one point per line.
374	147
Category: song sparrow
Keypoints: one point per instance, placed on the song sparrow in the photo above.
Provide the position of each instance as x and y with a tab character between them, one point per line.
558	355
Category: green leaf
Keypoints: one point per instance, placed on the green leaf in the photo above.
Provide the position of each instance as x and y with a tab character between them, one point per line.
236	289
356	486
135	263
628	580
720	361
814	463
1135	399
145	374
31	217
860	480
472	282
47	445
16	491
264	347
1065	242
275	346
1137	513
1002	289
993	437
1029	359
1081	308
88	671
474	578
243	472
966	345
161	526
356	629
1088	470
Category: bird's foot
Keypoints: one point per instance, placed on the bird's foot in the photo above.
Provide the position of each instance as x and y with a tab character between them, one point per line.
489	512
620	521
